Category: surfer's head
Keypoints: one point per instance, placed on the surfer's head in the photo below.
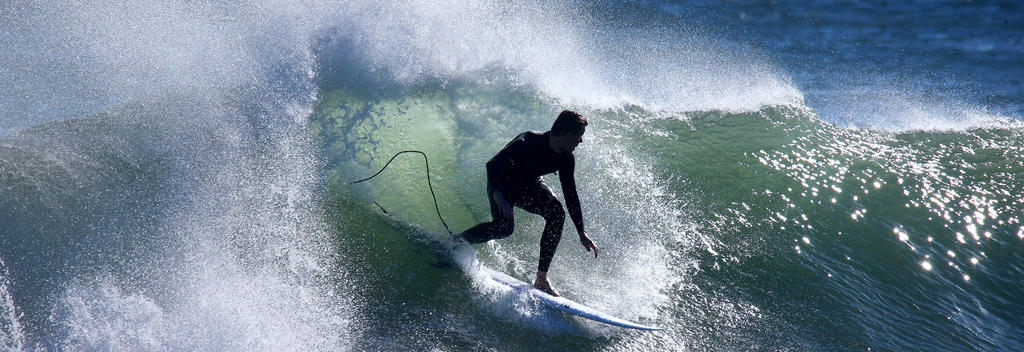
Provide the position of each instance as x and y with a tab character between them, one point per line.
567	131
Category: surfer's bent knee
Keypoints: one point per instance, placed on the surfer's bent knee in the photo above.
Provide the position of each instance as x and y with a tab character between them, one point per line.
504	229
554	212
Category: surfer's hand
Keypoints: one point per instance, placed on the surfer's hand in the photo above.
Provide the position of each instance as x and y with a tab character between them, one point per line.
503	207
588	244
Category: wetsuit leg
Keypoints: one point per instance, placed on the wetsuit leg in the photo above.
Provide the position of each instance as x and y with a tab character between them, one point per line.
499	226
538	199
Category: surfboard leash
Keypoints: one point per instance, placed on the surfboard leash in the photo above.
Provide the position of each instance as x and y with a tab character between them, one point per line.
429	184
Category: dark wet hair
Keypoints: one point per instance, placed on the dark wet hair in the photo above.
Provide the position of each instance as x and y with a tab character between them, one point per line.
568	122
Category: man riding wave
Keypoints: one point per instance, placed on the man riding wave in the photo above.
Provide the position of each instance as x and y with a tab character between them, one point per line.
514	179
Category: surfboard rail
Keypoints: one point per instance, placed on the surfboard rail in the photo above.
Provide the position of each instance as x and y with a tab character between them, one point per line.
562	303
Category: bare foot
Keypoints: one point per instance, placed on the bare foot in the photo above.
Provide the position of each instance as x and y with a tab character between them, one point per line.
541	283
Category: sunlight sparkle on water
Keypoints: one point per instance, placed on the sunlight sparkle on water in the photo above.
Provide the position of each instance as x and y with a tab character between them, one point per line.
973	230
902	235
926	265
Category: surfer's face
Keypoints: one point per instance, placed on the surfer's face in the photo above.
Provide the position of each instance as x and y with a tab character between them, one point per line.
567	143
575	139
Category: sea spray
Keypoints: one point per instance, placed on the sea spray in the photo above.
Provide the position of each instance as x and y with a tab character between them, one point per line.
12	335
159	190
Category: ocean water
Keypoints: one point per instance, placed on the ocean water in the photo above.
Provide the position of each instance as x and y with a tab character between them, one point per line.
799	176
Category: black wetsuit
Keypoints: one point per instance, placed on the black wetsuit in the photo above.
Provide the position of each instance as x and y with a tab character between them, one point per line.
516	172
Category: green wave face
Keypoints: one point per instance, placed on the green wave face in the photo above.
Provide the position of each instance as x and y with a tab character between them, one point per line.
824	226
460	126
714	224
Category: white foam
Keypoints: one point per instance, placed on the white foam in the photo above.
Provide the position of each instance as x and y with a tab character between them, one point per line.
102	317
67	58
246	262
635	220
514	306
12	335
235	313
564	52
901	109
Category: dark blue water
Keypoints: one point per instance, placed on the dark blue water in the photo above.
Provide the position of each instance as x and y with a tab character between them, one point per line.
846	56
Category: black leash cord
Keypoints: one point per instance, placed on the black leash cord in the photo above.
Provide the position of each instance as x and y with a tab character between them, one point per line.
427	162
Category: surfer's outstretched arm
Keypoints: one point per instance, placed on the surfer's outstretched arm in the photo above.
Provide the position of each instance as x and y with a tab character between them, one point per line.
567	177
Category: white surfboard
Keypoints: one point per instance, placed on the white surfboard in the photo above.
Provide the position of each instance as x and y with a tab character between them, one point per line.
560	303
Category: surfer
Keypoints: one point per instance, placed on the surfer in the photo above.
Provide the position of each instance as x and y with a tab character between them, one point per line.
514	179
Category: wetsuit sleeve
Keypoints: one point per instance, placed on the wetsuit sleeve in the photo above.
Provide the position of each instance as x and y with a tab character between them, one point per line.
567	176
